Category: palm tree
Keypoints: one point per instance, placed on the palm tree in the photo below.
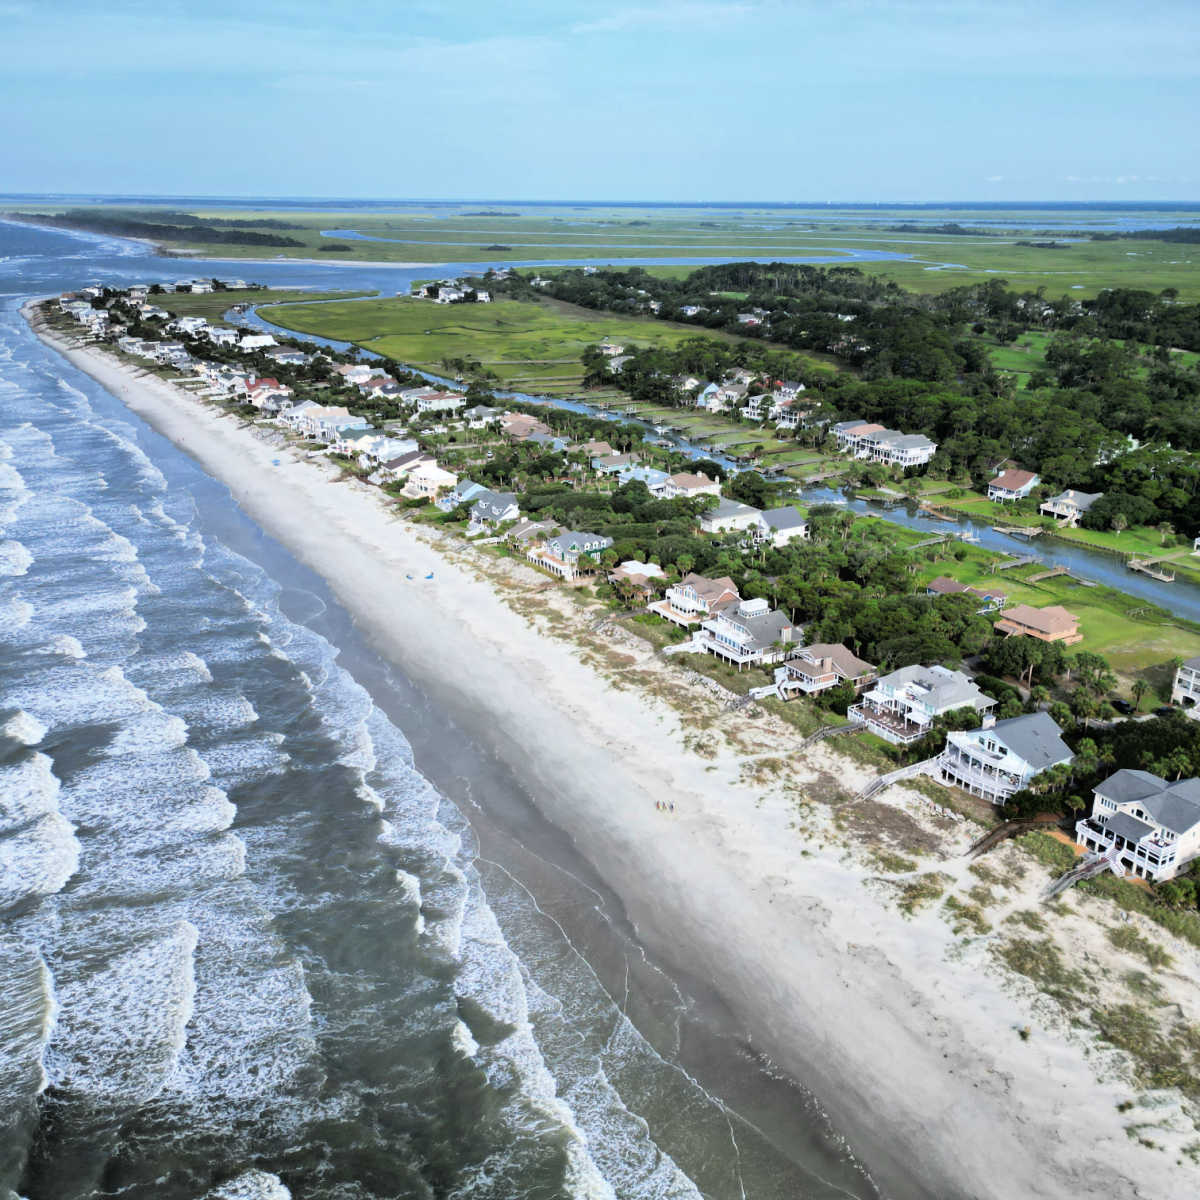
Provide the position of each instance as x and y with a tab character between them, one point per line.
1165	530
1139	689
1120	521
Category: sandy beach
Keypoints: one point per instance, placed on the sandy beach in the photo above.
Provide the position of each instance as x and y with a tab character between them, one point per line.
905	1028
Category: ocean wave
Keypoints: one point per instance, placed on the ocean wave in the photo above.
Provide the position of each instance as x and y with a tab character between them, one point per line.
38	859
251	1185
23	729
15	558
26	1019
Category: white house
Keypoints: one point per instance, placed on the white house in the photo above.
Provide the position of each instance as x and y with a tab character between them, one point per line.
1152	826
782	525
440	402
189	325
321	422
428	480
255	341
818	667
730	516
696	597
687	484
491	509
568	553
749	633
221	335
1001	758
902	706
1069	506
1185	690
1012	485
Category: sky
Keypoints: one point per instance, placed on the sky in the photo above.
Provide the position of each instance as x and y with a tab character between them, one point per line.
679	100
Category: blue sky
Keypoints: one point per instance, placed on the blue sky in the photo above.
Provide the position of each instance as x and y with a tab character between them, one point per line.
555	99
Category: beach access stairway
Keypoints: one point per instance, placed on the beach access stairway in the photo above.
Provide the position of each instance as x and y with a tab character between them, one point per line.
927	766
1091	865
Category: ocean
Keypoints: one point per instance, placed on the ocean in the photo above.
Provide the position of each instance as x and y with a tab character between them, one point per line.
274	920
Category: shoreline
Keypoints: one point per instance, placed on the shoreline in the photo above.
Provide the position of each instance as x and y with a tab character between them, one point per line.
907	1038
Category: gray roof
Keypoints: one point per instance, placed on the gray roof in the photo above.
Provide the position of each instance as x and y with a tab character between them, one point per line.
1035	737
946	689
493	505
788	517
1193	664
1175	806
1123	825
577	539
1081	500
765	630
730	508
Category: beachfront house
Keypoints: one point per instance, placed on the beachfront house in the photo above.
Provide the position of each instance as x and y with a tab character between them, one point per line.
823	665
687	485
999	759
492	509
1050	624
464	492
730	516
1012	485
321	422
1152	827
779	526
903	706
427	480
394	470
569	553
1069	506
696	597
748	634
638	577
525	532
1185	689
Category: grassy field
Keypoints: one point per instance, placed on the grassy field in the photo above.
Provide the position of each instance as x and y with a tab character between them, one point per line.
447	234
214	305
535	347
1137	639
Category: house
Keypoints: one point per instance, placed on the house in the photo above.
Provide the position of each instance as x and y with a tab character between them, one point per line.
656	481
637	576
730	516
730	395
902	706
687	485
321	422
821	666
1185	690
896	449
749	319
392	470
548	441
613	464
491	509
1070	505
526	531
611	349
746	634
696	597
847	432
221	335
704	397
190	326
288	356
992	597
595	449
480	416
464	491
255	341
1149	826
691	310
779	526
617	365
518	426
1012	485
373	447
355	372
757	407
999	759
570	553
788	389
481	297
787	415
1051	624
426	480
440	402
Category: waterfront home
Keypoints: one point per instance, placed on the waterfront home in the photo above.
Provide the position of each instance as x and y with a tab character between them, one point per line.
525	531
823	665
1012	485
705	397
656	481
491	509
747	634
902	706
191	326
1069	506
730	516
518	426
896	449
221	335
570	553
288	356
992	597
255	341
1151	826
393	470
999	759
779	526
463	492
730	395
757	407
787	389
788	415
427	480
637	576
613	464
846	433
742	375
1050	624
696	597
321	422
355	372
440	402
686	484
1185	690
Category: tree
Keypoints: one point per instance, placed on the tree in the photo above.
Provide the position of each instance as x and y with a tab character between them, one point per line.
1119	521
1139	689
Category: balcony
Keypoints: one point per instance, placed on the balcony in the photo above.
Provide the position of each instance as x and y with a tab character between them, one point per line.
889	724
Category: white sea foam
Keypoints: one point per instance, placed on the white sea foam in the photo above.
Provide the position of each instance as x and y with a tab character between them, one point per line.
15	558
23	728
28	789
26	1019
251	1185
68	646
38	859
410	889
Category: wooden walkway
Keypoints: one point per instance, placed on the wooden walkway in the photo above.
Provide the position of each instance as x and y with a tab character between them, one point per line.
1050	574
1030	531
1151	567
1023	561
